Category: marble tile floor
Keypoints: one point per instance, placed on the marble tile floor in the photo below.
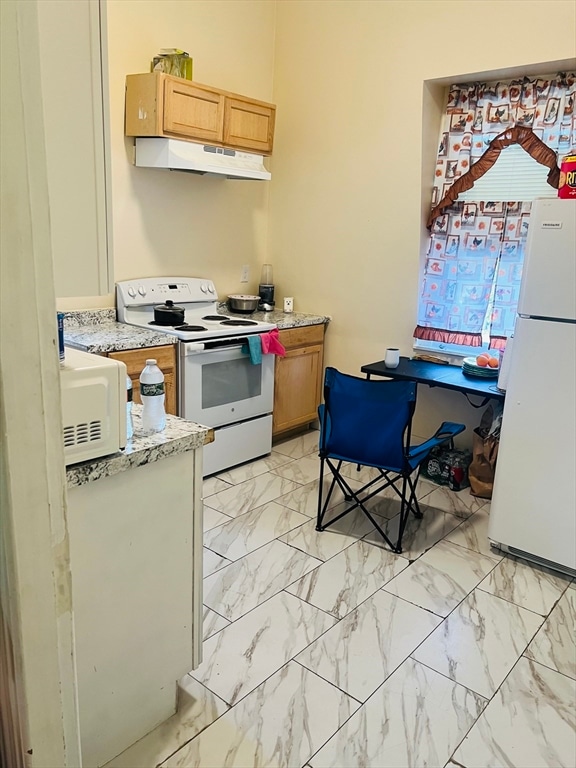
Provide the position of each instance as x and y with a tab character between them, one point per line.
326	650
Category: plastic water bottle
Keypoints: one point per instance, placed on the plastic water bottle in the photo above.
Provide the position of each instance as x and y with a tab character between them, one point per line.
152	394
129	421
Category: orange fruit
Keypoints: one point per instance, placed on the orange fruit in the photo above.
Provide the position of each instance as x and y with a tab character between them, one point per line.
482	361
493	362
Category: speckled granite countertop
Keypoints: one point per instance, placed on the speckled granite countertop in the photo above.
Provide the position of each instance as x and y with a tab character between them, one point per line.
114	337
98	332
179	436
285	320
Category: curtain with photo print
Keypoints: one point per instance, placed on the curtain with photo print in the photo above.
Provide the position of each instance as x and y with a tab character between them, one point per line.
475	251
474	263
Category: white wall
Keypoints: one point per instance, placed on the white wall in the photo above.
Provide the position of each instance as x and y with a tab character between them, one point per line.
347	206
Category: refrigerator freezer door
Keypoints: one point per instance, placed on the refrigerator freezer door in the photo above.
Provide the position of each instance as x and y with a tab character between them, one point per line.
534	500
548	286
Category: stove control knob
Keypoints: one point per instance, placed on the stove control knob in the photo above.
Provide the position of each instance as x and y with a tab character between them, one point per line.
210	288
131	292
142	290
204	288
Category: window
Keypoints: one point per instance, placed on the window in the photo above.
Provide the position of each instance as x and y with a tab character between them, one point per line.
515	176
471	276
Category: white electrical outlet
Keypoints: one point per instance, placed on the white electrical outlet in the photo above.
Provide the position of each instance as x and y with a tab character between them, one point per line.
245	274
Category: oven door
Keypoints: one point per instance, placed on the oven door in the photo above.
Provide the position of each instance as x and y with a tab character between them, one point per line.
220	386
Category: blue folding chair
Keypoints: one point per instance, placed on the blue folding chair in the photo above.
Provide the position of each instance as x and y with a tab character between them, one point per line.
368	423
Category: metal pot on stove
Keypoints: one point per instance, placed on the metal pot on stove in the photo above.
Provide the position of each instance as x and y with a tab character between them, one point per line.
168	314
243	303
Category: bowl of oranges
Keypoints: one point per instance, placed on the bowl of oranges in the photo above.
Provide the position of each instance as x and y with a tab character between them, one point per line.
483	365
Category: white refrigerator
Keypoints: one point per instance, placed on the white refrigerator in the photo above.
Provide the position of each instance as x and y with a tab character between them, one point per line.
533	511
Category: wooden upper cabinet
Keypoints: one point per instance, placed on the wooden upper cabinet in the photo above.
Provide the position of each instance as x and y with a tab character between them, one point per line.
249	124
158	104
193	111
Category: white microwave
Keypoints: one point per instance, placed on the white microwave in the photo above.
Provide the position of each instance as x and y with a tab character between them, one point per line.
93	405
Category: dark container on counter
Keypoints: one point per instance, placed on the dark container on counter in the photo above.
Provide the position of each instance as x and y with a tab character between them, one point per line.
60	318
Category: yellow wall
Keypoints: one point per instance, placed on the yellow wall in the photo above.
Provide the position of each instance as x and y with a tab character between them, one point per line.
169	223
342	218
346	207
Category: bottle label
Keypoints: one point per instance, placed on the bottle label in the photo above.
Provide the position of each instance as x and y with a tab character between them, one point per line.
151	390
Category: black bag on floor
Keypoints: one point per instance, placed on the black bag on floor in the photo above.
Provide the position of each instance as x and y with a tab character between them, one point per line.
447	466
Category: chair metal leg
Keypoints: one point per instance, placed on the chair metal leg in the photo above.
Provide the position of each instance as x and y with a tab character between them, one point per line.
404	511
320	489
347	497
414	505
406	492
351	495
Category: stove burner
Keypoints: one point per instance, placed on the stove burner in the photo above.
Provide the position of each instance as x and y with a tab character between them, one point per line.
239	322
190	328
215	317
160	325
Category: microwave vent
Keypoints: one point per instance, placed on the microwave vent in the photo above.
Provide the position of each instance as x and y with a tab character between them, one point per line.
76	434
93	405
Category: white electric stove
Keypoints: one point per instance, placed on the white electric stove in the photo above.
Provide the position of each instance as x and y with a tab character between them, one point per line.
135	301
220	384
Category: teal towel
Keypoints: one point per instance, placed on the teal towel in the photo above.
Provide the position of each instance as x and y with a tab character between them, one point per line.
254	349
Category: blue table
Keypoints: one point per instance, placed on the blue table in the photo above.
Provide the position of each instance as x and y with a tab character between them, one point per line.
437	375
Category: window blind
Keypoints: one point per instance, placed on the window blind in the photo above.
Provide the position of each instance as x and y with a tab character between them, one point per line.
514	176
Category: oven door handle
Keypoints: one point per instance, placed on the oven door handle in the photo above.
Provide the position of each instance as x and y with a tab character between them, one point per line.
237	342
191	348
230	343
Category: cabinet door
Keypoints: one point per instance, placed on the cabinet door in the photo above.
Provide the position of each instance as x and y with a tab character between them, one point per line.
192	111
249	125
140	533
72	39
169	388
135	360
297	382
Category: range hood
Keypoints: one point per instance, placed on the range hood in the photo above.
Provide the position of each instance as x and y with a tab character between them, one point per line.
177	155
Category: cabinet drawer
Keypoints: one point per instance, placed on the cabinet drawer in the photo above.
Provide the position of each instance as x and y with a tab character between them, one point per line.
300	337
193	111
135	359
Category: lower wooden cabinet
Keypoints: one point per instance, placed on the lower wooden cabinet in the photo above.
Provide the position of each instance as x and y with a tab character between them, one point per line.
135	360
298	378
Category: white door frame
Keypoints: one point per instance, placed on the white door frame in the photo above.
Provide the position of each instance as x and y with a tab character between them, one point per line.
35	579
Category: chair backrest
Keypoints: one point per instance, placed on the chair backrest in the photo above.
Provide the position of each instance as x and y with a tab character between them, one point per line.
365	421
